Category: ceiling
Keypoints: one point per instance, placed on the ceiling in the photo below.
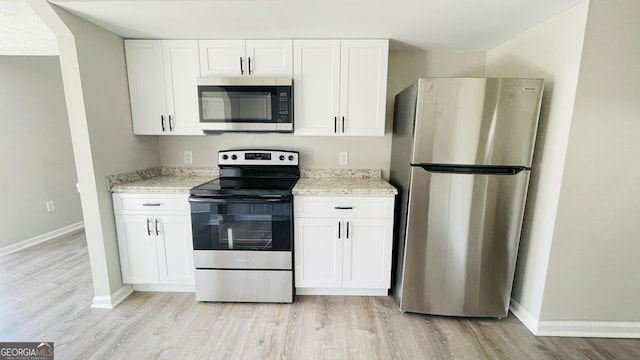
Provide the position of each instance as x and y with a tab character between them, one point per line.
410	24
22	32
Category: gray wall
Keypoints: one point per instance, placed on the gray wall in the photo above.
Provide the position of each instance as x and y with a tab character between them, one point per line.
551	50
96	91
593	270
35	150
101	122
322	152
578	262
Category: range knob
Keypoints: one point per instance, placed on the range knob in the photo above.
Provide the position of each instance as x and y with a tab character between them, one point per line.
290	157
281	157
234	157
225	157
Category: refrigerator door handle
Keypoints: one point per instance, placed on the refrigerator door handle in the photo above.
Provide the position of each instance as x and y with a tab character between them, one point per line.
472	169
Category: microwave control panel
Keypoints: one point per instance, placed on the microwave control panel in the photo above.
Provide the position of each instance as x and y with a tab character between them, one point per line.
284	105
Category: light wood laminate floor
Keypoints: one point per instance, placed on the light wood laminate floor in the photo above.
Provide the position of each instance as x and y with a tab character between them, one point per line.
45	294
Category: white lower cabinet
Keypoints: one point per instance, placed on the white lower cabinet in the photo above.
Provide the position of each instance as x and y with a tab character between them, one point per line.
318	253
343	245
154	241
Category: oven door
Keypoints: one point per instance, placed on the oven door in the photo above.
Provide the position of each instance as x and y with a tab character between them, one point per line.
245	223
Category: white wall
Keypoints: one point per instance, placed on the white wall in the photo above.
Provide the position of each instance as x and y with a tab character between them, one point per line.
552	51
322	152
593	270
95	84
35	150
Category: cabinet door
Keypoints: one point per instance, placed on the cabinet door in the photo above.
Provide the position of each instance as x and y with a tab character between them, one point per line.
367	253
137	247
363	86
181	69
269	57
222	57
316	86
146	86
175	249
318	253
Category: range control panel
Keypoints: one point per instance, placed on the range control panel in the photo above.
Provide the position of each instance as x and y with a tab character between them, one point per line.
257	157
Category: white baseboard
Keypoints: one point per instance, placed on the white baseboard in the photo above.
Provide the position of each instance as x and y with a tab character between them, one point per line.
342	292
600	329
164	288
525	317
110	302
41	238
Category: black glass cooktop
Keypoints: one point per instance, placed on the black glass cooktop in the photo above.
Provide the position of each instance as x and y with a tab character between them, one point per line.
245	186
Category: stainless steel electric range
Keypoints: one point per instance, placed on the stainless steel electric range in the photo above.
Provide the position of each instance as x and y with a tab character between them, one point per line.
243	228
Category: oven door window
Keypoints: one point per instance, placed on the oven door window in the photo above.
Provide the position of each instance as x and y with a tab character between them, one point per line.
229	225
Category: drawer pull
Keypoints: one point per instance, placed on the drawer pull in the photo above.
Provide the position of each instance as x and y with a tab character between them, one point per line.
344	207
151	204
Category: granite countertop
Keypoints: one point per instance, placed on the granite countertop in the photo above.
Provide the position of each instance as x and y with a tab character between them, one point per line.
342	182
161	180
163	183
311	182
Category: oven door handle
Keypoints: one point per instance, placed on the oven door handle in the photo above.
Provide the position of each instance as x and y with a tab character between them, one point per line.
240	199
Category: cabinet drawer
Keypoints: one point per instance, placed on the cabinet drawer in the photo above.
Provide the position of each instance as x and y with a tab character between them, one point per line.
124	203
344	206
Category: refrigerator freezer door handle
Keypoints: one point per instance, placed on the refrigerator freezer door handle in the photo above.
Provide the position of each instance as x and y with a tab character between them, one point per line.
472	169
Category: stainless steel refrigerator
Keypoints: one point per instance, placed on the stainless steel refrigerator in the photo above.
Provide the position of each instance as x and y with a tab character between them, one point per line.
461	159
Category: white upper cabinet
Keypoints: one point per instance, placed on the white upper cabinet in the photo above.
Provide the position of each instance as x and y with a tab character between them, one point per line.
146	86
162	86
340	87
270	57
181	69
246	58
363	86
316	86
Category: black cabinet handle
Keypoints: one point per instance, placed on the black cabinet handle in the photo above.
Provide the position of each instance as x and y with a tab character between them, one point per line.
344	208
249	65
241	68
157	229
162	123
347	229
339	229
343	124
148	227
335	124
170	124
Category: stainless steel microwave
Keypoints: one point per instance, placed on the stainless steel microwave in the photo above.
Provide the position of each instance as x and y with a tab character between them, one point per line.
246	104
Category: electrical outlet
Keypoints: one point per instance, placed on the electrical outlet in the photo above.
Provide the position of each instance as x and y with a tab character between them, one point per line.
51	206
344	158
188	158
